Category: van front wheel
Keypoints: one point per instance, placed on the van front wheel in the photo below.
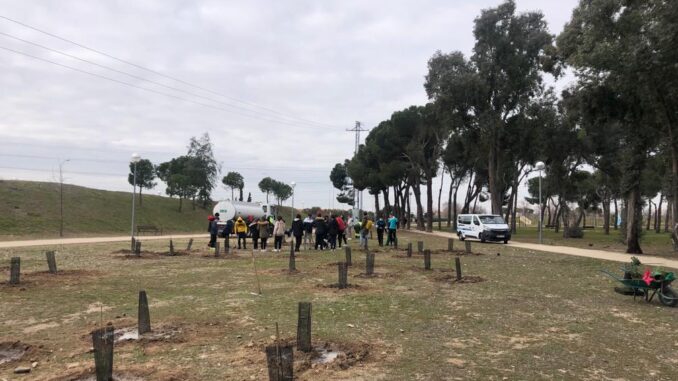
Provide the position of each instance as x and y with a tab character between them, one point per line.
480	236
461	237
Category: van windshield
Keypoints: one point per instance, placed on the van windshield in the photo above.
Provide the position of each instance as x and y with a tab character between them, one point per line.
492	220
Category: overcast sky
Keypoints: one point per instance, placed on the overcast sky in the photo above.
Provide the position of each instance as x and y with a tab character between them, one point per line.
274	83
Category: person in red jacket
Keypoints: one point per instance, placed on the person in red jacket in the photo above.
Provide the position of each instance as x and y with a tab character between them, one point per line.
342	230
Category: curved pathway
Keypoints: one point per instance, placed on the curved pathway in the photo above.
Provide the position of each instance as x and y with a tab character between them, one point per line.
579	252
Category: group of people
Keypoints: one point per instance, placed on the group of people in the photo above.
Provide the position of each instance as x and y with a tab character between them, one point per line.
320	233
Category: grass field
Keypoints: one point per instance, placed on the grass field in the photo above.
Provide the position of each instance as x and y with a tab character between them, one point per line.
533	316
31	210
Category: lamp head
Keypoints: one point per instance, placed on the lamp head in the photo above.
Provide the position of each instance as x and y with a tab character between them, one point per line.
136	158
539	166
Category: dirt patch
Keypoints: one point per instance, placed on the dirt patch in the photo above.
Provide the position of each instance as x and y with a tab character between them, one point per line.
230	255
164	333
15	351
378	275
335	286
431	271
145	254
150	373
279	272
326	361
464	279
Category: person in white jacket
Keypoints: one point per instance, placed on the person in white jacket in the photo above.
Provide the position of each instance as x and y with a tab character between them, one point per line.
278	233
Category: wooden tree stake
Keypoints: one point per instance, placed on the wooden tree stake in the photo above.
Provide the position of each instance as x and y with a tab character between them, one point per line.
217	249
190	244
409	250
457	265
280	361
102	341
144	317
369	263
304	327
450	244
137	249
51	262
15	270
349	262
293	263
427	259
343	275
467	246
171	249
420	247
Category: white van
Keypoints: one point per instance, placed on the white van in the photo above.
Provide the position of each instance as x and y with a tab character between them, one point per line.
485	227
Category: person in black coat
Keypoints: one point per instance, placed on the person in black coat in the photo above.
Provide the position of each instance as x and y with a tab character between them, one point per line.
332	231
297	231
320	231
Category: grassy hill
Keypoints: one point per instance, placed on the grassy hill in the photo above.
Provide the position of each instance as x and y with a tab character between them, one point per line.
31	210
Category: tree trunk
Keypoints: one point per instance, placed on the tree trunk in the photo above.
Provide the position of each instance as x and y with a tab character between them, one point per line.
559	212
377	212
658	214
649	214
454	220
440	193
495	197
141	200
420	208
616	215
387	202
669	211
633	211
606	216
396	205
181	203
429	203
409	211
449	202
514	227
240	198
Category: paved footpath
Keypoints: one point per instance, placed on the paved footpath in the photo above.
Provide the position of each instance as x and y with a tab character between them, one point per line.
589	253
72	241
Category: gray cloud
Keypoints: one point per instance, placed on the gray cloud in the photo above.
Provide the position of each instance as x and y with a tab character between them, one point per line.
330	62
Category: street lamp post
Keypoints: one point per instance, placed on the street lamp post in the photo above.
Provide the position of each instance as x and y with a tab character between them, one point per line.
135	159
540	167
61	196
293	184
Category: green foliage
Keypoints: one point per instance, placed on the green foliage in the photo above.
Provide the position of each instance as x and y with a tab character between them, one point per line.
266	186
145	175
234	180
205	168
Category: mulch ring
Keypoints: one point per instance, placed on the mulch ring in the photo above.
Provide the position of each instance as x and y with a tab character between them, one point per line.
335	286
127	332
464	279
63	277
279	272
377	274
326	356
16	351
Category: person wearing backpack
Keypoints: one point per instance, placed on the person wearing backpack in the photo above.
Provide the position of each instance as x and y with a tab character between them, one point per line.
381	226
308	232
392	227
297	231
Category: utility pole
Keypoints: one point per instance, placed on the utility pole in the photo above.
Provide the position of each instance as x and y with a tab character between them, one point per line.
356	197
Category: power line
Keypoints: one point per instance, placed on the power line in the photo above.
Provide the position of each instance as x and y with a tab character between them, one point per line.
127	162
158	73
143	79
142	88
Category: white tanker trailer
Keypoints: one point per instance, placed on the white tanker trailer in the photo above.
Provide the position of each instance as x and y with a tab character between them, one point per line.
229	210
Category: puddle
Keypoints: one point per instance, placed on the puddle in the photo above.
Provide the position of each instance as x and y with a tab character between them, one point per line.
326	356
12	352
